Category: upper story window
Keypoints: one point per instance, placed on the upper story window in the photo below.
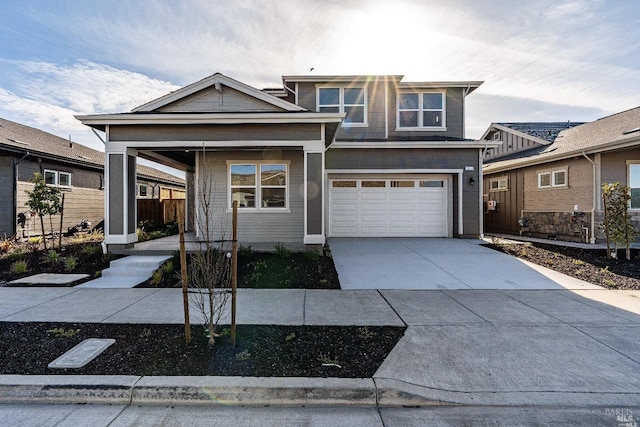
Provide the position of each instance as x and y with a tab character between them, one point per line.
423	110
552	179
142	190
259	186
350	100
634	184
56	178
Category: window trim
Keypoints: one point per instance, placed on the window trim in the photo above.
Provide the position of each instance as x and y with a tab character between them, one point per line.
421	111
552	178
341	104
258	186
499	180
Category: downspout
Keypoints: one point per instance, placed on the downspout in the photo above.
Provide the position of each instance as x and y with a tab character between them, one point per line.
592	240
14	227
481	187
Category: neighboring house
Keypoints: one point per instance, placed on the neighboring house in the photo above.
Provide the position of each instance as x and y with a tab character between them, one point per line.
75	169
324	156
546	178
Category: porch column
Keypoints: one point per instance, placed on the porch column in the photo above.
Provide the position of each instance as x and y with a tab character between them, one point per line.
120	197
314	197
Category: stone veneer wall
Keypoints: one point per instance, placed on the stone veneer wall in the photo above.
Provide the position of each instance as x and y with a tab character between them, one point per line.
560	225
635	220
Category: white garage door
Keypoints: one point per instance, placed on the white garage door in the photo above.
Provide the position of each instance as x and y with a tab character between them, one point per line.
396	207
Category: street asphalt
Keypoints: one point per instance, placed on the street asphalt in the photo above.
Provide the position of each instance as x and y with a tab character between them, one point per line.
564	344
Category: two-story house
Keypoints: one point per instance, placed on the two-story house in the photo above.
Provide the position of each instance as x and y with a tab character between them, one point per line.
323	156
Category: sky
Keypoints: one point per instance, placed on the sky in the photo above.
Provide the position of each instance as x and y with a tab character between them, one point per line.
540	60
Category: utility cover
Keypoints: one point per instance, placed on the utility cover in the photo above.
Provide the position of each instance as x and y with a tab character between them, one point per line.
82	354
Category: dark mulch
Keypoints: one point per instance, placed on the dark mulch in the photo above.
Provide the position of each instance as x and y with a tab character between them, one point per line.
590	265
89	260
267	270
282	351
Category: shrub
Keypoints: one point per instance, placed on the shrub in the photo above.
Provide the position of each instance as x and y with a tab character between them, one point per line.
63	333
70	263
20	266
282	251
52	257
91	249
157	277
168	268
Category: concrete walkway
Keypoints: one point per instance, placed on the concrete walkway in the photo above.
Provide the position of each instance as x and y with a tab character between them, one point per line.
473	347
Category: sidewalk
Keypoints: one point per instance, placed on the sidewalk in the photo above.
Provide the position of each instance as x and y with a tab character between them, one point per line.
471	347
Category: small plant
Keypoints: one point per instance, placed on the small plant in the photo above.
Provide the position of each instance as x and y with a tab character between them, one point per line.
243	355
282	251
91	249
146	333
34	240
326	251
167	267
6	246
52	257
97	274
20	267
16	252
70	263
605	271
311	255
365	333
63	333
578	262
609	283
157	277
290	337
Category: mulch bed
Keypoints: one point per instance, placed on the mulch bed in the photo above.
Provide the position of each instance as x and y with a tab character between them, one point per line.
89	260
264	351
590	265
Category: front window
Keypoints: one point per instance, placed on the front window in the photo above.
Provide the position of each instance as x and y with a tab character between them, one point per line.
267	192
634	185
50	177
64	179
421	110
350	100
142	190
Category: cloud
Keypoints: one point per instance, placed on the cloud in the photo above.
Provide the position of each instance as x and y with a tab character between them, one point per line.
47	96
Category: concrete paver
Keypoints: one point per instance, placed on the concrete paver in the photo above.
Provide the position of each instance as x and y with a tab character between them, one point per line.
50	278
430	308
366	307
15	300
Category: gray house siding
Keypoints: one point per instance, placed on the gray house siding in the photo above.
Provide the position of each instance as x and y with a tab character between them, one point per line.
7	216
412	159
247	132
614	165
212	171
211	100
375	128
454	117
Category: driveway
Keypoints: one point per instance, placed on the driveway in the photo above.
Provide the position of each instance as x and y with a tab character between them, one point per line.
432	263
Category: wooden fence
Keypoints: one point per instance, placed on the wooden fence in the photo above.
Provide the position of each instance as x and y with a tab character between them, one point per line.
161	212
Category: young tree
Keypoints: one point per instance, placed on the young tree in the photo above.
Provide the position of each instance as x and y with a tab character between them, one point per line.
43	200
617	222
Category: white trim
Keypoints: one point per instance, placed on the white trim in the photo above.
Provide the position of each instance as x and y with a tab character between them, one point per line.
118	146
498	179
480	184
120	239
552	178
209	118
628	183
217	80
416	144
386	110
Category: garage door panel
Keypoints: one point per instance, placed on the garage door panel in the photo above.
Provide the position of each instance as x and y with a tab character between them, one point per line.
388	209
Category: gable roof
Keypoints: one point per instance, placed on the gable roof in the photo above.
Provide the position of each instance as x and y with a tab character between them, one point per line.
22	139
617	131
541	132
216	81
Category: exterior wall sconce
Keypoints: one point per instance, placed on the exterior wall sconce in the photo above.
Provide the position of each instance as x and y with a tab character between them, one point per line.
471	181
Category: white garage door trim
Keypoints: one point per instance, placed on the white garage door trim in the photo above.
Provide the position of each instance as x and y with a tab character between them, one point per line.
389	206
